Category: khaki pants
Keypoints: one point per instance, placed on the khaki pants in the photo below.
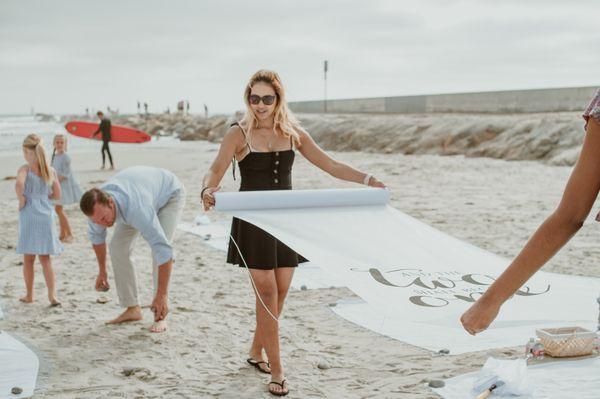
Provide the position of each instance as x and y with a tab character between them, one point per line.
121	246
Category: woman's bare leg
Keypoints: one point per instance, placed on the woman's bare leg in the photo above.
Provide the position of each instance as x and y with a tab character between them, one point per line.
50	279
28	276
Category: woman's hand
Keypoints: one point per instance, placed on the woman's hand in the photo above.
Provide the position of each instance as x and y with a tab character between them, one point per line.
373	182
22	202
480	315
208	199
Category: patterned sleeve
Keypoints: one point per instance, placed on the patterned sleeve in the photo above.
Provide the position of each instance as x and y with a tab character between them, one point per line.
593	110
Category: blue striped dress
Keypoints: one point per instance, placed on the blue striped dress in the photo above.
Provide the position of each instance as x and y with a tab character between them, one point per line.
70	191
37	232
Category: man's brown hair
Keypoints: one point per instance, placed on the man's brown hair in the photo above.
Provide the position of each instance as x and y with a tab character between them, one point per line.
92	197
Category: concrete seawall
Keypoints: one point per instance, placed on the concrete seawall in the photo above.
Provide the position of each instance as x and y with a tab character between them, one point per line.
495	102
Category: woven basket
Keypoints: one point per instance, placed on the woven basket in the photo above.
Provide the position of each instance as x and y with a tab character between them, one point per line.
567	341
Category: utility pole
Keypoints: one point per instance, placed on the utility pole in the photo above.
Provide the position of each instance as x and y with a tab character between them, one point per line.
325	68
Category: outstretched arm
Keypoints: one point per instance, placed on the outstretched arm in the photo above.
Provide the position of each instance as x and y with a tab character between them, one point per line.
102	278
229	147
315	155
577	201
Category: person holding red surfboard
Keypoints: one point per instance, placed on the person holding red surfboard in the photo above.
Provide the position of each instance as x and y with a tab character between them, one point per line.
104	128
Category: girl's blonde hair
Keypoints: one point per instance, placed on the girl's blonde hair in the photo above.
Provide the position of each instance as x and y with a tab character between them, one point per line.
284	119
34	143
58	136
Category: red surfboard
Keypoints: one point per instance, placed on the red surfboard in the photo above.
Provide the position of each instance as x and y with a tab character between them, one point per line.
118	134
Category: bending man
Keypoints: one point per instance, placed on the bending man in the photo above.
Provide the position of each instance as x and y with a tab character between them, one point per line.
139	200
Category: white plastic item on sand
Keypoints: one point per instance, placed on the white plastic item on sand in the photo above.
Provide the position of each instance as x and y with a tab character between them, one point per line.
512	374
18	367
404	268
202	219
215	235
575	378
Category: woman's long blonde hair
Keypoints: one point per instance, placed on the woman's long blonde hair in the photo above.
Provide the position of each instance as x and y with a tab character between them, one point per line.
34	143
284	120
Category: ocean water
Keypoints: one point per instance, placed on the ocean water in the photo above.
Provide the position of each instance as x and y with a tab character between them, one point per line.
14	129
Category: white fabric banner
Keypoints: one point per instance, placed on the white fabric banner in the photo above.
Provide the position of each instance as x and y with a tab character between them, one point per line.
402	267
216	235
18	367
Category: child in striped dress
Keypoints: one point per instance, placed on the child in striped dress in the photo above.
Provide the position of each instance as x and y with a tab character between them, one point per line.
70	191
37	184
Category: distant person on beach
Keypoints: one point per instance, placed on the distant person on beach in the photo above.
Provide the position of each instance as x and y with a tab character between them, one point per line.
139	110
70	189
264	143
37	184
105	129
138	200
578	198
187	107
180	106
146	108
205	112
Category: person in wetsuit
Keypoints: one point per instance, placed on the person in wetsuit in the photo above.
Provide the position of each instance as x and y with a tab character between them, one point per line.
104	128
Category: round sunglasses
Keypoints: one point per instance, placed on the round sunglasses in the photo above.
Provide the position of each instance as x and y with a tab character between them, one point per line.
255	99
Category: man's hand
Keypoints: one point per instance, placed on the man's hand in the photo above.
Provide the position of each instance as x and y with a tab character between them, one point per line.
102	282
160	307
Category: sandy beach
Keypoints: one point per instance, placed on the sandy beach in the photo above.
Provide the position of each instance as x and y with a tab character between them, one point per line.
491	203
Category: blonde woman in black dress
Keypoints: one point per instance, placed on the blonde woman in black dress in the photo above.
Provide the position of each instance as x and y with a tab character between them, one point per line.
264	144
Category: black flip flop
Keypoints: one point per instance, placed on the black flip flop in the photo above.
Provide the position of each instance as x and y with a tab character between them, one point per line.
282	385
257	364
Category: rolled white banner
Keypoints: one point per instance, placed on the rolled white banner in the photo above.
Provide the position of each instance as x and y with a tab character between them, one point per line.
287	199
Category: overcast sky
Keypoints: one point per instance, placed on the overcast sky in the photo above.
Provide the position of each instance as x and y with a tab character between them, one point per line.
61	56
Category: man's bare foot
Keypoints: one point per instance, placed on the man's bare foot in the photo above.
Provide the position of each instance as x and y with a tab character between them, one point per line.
158	326
26	299
133	313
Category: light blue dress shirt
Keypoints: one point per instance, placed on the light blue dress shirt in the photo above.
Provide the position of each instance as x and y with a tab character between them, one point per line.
139	192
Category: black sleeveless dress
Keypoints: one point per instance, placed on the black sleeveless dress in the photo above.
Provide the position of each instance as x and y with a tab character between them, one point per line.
262	171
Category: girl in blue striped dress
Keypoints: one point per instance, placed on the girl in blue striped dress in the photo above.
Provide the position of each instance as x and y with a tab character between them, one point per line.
37	184
70	191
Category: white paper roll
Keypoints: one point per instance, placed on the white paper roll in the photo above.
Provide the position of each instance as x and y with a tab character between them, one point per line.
286	199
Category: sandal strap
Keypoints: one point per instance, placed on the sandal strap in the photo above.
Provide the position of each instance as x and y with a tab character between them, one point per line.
281	384
254	361
257	364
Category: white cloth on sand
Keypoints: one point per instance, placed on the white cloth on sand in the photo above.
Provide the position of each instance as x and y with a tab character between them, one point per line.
18	367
